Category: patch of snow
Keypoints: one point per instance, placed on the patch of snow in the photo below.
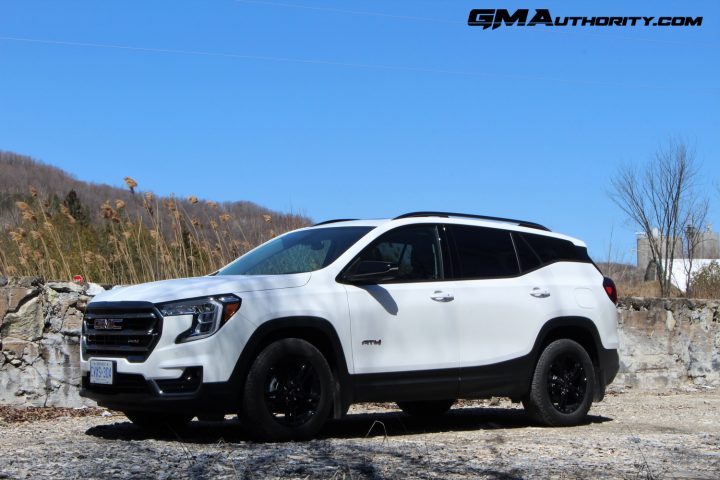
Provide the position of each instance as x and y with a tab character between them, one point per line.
93	289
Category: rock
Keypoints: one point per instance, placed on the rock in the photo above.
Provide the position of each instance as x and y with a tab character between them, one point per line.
15	348
3	281
50	296
82	302
16	295
66	287
670	321
25	324
25	282
3	304
72	325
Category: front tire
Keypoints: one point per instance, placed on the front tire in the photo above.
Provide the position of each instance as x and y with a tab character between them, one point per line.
562	386
288	392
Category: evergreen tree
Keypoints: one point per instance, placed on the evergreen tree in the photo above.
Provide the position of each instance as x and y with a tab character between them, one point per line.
76	208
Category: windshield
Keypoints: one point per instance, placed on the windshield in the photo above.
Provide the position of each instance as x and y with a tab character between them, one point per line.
297	252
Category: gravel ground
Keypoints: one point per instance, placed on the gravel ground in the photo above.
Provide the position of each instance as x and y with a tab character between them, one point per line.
629	435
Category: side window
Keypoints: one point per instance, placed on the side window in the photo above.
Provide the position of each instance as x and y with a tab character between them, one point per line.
551	249
483	253
415	250
528	259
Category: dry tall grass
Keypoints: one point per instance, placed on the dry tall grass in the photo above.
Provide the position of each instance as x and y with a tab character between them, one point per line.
166	238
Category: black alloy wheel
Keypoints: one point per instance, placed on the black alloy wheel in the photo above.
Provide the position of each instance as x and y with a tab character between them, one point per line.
292	391
567	383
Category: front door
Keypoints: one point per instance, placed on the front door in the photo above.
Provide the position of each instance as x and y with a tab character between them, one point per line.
404	338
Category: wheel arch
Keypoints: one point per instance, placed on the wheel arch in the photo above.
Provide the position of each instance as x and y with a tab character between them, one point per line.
579	329
317	331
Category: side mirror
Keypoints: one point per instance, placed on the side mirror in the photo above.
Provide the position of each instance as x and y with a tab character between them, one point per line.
372	271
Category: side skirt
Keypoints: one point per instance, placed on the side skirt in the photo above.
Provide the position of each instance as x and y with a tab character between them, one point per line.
507	379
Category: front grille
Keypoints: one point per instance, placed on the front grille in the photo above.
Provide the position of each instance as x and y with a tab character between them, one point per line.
121	329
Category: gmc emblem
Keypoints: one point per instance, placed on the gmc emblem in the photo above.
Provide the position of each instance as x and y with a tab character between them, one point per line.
108	324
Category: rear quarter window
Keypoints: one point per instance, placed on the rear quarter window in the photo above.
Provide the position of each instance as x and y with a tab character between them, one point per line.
551	250
526	255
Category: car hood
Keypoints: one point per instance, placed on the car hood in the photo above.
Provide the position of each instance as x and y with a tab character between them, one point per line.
181	288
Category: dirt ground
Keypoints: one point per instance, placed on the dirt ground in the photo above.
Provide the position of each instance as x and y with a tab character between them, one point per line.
631	435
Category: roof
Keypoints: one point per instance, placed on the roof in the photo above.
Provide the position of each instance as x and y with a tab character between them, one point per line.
458	219
421	214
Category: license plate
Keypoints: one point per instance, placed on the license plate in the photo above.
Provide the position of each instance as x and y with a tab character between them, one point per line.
101	372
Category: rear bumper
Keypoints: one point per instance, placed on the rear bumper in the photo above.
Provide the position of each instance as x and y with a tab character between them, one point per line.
609	363
607	369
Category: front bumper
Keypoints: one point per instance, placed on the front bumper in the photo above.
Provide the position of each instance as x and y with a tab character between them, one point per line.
133	392
195	376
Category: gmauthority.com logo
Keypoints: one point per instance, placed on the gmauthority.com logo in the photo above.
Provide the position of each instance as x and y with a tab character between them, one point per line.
491	17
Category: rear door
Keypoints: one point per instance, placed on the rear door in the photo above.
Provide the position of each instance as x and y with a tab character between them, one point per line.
499	309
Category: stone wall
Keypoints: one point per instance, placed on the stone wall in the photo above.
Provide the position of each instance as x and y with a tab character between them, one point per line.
40	341
669	343
664	343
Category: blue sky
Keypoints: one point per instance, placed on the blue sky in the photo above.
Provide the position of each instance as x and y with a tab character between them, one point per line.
362	108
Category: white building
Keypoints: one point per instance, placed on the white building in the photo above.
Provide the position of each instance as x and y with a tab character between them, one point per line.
708	248
681	268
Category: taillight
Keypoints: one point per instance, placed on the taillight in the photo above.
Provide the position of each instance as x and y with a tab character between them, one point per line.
610	289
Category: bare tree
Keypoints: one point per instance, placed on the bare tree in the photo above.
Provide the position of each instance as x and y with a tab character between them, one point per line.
693	239
661	197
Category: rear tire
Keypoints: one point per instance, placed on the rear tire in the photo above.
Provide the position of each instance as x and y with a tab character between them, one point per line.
288	392
154	421
428	408
562	386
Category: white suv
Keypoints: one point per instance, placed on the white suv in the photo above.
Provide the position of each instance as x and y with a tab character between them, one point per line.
422	309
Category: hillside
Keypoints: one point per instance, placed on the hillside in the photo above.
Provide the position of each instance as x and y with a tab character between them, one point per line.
55	225
18	173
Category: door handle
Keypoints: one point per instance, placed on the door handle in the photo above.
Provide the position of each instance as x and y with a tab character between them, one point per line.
538	292
440	296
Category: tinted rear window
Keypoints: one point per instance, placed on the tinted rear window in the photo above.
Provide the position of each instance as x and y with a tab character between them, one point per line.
483	252
551	249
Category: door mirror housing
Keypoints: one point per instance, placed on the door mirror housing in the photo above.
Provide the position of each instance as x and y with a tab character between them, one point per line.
371	271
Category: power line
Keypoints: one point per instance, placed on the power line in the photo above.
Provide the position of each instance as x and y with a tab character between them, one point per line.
400	68
350	12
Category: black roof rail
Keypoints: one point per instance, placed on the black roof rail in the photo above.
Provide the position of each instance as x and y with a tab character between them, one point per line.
520	223
335	221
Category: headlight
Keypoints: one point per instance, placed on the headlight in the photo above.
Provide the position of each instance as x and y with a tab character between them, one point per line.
208	314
